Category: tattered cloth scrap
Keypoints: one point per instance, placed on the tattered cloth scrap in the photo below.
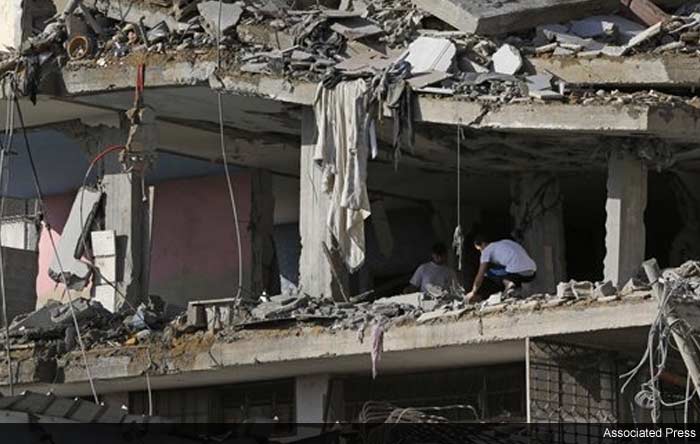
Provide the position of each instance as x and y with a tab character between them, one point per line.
342	149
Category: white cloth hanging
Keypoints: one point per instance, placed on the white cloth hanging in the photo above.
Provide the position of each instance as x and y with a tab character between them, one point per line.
342	149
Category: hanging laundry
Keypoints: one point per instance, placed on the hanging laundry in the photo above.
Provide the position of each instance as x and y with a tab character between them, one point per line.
342	149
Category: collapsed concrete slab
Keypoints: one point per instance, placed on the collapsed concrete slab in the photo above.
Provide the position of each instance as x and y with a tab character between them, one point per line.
492	18
672	70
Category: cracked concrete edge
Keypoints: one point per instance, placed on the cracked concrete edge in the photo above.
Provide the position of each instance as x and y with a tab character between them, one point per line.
659	120
643	71
270	351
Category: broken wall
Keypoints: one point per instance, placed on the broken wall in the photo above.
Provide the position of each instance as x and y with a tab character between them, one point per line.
194	252
58	207
19	18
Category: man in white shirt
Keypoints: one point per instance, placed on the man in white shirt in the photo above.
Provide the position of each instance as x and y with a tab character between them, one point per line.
505	263
434	273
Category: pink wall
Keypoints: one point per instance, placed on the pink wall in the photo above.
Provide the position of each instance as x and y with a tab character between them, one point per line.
58	208
194	253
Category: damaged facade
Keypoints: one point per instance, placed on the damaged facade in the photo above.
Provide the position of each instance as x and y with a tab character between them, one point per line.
227	200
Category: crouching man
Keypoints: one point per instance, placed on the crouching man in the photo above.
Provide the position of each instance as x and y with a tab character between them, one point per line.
504	266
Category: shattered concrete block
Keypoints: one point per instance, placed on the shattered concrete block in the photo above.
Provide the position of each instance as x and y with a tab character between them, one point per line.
427	54
539	82
230	16
546	95
507	60
488	17
39	319
196	316
646	11
582	290
431	316
84	309
356	28
634	285
262	34
607	25
645	35
564	291
604	289
413	299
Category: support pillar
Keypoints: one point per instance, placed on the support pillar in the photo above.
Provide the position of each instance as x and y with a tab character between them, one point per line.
320	275
125	211
625	230
537	209
262	273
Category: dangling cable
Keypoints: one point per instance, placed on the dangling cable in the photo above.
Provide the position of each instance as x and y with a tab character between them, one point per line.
224	158
4	183
44	215
458	236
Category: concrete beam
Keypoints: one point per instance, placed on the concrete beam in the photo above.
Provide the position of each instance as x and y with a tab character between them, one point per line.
625	237
639	71
89	78
472	340
673	122
491	18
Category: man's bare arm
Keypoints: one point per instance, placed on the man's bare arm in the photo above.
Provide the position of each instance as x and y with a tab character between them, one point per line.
479	279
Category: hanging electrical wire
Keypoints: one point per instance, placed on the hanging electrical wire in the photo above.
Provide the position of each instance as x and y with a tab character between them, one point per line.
4	183
458	236
44	217
224	158
656	354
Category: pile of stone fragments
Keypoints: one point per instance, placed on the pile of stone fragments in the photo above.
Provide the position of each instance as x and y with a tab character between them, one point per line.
149	322
359	38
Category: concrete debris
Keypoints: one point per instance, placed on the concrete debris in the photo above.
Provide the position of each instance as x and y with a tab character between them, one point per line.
53	325
215	14
364	39
428	54
507	60
646	11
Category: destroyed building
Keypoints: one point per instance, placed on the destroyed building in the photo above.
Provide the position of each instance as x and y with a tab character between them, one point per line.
211	209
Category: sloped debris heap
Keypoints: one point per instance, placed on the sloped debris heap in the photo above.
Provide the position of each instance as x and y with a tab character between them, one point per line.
361	38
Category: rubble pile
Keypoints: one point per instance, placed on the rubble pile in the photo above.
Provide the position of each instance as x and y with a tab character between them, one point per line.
617	36
685	281
54	322
361	38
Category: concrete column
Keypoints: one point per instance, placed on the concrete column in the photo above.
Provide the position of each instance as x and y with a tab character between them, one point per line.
125	211
537	209
316	271
625	231
261	273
